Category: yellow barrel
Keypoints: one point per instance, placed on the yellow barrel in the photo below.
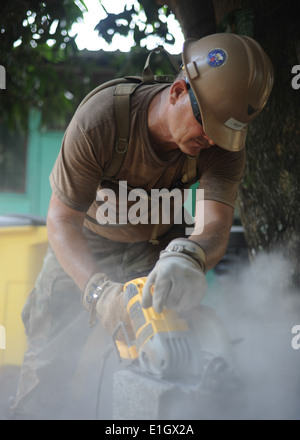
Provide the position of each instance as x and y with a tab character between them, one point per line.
23	244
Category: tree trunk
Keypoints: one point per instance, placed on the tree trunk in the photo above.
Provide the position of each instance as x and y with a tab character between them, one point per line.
196	17
269	198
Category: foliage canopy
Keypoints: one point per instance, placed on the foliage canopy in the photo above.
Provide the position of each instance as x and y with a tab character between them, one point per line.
35	41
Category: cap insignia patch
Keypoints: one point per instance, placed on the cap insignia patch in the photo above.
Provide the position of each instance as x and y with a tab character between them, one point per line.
216	58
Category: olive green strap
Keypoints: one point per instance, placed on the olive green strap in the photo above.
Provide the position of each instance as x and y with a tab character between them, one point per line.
153	239
190	173
122	96
103	86
149	77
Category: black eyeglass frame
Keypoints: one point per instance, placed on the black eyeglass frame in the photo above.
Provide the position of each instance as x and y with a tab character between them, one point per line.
194	103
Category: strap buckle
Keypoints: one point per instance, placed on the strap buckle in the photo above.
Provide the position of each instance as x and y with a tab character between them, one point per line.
121	146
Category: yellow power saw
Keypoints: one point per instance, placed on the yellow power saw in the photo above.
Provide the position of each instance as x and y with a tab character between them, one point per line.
192	348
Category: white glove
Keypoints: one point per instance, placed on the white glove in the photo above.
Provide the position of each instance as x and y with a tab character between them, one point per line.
178	279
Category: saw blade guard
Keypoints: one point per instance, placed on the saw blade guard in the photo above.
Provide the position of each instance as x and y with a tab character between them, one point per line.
170	345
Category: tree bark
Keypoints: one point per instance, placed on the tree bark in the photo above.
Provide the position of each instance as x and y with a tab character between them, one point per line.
269	199
196	17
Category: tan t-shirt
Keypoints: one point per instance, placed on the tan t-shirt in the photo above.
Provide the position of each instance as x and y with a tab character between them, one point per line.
87	151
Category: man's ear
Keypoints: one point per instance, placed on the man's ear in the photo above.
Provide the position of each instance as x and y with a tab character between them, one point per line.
178	90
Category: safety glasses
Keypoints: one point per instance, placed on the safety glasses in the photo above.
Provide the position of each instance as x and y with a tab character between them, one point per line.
194	103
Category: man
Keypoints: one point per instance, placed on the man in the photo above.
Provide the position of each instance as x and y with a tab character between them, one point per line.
199	121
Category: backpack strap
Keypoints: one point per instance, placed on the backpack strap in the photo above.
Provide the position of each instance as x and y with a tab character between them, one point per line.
190	169
103	86
125	87
148	75
122	96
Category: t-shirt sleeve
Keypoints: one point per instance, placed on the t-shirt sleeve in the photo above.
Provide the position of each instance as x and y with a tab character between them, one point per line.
221	173
78	169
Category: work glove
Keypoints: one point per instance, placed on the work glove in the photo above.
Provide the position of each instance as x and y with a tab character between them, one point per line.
104	299
178	279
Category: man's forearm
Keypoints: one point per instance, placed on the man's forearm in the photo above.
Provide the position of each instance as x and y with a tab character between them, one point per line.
213	235
72	251
213	241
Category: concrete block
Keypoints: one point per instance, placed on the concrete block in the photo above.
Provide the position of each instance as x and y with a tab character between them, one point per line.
140	397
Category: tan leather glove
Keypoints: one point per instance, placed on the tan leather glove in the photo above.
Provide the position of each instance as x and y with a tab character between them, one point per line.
178	279
104	299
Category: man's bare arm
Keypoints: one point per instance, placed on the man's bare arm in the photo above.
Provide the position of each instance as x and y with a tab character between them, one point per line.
213	237
68	242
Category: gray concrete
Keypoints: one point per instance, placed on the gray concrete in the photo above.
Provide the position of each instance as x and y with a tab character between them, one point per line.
136	397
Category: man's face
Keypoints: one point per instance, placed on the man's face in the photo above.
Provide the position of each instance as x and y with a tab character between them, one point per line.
187	132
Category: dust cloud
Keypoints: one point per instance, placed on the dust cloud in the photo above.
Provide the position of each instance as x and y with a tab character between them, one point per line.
259	309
